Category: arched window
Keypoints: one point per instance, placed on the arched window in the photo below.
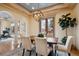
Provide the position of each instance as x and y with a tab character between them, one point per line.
6	21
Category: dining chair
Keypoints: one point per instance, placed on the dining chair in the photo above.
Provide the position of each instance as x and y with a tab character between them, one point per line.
41	47
5	46
66	47
19	41
26	44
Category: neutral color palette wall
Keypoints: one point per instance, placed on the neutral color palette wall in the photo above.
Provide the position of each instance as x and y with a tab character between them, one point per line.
34	26
76	14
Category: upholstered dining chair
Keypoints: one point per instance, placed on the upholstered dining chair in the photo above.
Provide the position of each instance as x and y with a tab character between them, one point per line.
67	46
5	46
26	44
41	47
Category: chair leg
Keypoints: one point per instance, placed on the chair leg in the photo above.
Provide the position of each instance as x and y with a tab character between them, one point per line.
36	54
30	53
23	51
56	52
69	54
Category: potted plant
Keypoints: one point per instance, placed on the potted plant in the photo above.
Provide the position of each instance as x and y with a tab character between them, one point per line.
40	35
65	22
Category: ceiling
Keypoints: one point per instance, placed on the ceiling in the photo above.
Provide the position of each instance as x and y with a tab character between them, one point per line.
48	9
35	6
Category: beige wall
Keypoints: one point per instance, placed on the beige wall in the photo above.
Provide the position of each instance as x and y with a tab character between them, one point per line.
76	14
34	26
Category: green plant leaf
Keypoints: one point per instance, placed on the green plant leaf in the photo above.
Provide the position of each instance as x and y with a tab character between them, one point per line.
64	39
65	21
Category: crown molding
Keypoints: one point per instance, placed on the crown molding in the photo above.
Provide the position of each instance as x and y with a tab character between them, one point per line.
58	8
15	8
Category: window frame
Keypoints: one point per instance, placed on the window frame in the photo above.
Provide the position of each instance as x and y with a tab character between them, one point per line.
46	26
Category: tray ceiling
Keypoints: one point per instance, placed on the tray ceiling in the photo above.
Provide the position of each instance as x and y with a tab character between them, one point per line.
34	6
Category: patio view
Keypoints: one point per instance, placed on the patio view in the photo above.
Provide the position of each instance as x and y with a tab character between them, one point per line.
39	29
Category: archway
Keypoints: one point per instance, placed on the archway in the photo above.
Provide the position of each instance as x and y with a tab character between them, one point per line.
7	21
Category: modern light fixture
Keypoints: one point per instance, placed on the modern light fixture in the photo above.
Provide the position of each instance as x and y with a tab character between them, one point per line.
37	15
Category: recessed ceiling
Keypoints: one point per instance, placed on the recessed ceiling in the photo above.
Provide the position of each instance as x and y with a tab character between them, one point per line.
35	6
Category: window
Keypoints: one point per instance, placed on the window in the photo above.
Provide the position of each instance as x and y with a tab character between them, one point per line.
43	24
47	26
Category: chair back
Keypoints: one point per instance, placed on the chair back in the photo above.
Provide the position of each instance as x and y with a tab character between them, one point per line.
41	46
68	43
32	36
26	43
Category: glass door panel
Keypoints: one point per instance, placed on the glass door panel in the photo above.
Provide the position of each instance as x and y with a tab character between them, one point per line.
50	27
43	26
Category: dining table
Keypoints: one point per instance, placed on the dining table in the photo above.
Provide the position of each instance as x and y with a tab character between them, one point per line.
52	43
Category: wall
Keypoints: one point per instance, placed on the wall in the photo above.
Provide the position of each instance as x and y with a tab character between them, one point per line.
34	26
76	14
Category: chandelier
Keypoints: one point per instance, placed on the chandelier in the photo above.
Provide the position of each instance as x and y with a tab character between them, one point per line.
37	15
